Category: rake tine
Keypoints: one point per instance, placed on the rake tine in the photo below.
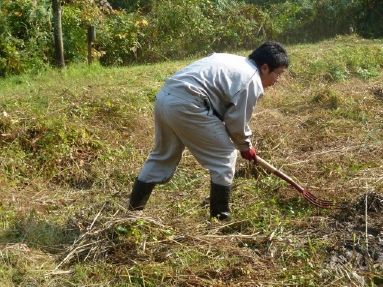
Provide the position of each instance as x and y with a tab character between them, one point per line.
309	196
317	201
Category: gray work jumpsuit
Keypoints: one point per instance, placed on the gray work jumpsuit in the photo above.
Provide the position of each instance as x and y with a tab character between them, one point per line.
205	107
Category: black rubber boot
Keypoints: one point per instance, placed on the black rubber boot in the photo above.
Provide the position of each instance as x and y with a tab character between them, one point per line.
219	201
140	194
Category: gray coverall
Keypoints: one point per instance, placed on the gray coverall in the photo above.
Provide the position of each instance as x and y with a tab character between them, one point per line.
205	107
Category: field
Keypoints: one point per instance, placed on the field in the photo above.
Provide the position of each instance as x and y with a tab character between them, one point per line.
73	141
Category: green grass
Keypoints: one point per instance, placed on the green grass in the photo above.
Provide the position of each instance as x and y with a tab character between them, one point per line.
73	141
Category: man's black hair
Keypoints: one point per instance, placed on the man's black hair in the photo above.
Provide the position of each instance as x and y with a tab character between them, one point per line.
271	53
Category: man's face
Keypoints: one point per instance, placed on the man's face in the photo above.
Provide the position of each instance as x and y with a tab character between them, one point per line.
270	78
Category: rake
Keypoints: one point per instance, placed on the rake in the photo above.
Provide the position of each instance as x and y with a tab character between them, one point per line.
306	194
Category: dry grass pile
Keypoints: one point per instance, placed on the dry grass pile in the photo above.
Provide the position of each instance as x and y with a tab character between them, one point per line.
349	243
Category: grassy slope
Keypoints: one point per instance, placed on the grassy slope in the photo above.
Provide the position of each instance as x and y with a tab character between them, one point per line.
73	141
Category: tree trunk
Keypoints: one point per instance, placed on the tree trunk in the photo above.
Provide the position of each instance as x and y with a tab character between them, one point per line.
58	36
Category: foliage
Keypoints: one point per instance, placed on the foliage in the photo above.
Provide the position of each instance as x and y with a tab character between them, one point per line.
75	19
308	21
369	18
178	29
131	5
25	41
120	40
151	31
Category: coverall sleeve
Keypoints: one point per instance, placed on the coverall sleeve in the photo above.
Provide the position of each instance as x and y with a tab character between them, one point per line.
239	113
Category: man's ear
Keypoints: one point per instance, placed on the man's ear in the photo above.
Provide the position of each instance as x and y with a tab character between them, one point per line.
265	69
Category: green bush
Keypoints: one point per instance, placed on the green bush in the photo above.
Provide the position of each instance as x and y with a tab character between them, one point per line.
119	40
178	29
142	31
75	20
25	40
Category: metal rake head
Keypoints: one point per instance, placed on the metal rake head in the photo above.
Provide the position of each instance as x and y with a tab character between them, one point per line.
319	202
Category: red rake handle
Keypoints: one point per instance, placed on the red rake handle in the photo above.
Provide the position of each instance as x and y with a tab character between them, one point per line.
267	166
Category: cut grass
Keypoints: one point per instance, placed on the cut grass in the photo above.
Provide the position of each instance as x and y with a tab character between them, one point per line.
73	141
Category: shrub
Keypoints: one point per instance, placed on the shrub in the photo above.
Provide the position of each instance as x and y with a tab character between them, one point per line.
25	39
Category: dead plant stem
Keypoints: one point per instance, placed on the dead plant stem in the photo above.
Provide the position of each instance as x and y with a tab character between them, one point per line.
366	221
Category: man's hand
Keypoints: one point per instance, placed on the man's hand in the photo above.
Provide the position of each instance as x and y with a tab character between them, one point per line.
250	155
